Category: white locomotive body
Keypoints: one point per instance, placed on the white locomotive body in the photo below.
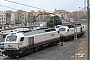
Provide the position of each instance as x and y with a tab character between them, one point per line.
67	32
26	42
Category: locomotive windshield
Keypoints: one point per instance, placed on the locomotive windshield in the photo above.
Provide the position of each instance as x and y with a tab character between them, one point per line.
11	38
61	29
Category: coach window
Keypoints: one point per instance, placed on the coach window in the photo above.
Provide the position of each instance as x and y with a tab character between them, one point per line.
22	38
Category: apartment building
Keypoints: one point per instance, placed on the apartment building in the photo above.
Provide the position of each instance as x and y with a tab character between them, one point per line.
20	16
77	14
2	18
8	16
61	12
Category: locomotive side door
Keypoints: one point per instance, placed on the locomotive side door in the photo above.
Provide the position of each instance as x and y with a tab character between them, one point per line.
31	40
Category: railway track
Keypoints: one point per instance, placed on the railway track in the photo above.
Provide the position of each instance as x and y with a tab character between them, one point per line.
68	55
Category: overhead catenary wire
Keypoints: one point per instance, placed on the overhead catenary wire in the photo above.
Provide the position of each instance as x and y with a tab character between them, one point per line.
8	7
28	5
36	8
37	15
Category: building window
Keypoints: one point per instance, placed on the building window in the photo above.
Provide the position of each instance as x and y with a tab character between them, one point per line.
4	18
4	21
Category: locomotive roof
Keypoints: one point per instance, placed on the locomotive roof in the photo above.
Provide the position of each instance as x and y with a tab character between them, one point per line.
20	29
72	26
38	31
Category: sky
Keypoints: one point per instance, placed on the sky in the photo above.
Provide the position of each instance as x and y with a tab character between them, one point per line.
48	5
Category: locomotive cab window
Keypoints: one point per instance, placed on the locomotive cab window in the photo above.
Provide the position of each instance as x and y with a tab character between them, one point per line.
11	38
61	29
22	38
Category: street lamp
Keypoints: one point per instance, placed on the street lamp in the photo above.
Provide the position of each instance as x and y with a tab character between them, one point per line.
79	13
